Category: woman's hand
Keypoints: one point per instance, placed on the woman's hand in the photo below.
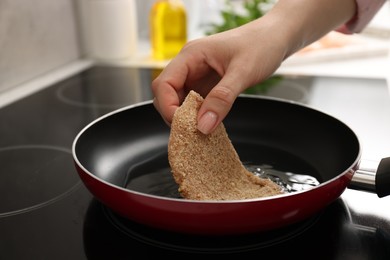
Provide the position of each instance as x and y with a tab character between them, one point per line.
221	66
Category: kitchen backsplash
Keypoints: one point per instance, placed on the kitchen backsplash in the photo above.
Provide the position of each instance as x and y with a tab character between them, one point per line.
36	36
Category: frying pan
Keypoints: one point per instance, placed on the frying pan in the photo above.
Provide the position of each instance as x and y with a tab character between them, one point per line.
122	159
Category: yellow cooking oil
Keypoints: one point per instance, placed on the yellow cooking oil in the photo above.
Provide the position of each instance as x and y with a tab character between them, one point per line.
168	28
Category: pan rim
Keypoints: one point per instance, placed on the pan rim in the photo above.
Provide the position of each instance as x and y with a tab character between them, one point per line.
354	164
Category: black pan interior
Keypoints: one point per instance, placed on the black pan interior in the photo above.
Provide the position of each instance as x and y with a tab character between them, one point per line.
291	137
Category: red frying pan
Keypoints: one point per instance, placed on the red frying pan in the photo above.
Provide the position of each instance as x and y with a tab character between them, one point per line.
122	159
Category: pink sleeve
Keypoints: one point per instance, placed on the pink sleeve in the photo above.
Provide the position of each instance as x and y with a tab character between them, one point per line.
366	10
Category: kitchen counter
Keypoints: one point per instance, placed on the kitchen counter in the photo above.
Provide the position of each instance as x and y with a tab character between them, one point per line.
369	59
376	67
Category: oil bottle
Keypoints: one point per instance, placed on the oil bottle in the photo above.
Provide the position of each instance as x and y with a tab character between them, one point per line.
168	28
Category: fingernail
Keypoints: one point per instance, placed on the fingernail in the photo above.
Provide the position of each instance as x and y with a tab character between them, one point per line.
207	122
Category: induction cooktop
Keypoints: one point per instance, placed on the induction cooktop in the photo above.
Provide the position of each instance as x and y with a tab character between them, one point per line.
47	213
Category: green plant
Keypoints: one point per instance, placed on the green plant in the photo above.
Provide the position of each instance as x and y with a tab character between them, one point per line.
253	9
232	19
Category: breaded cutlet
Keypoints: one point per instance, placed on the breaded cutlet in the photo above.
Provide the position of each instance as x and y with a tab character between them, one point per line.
207	167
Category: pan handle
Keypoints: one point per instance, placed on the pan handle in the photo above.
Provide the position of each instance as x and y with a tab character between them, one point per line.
382	180
373	177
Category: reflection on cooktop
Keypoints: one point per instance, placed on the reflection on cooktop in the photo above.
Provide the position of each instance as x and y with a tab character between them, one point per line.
107	234
206	244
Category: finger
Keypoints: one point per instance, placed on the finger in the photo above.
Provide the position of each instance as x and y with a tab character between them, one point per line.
166	101
168	89
218	102
157	107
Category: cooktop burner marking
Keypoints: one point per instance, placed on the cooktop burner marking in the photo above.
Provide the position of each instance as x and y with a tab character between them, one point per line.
105	91
34	176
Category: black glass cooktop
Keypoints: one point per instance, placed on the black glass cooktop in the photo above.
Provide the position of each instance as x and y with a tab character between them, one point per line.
47	213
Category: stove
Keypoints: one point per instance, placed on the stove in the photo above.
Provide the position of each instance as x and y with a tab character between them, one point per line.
47	213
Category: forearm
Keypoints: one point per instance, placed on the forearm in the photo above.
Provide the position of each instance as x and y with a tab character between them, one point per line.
301	22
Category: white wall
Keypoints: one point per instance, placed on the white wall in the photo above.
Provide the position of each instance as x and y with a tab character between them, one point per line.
36	36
